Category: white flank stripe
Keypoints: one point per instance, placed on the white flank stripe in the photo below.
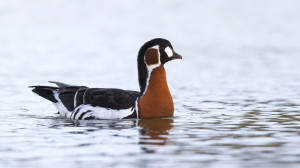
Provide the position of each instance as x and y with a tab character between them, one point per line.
75	103
101	113
137	108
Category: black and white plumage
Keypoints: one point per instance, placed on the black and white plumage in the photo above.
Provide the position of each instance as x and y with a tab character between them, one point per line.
83	103
80	102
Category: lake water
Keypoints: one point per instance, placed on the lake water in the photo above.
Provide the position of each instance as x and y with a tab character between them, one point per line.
236	91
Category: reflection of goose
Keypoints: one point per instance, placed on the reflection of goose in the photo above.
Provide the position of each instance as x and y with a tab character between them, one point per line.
155	131
153	100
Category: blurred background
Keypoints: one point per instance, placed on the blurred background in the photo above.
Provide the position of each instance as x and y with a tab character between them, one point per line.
240	71
80	38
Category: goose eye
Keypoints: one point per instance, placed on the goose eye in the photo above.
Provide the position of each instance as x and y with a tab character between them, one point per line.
169	51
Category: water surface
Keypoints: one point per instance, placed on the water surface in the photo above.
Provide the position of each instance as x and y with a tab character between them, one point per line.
236	91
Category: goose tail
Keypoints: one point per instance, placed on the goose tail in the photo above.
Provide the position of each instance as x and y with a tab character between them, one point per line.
46	92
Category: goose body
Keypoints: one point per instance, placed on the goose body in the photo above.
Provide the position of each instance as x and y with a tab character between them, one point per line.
153	100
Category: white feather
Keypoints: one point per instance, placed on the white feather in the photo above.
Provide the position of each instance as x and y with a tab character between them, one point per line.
137	107
75	102
100	112
169	51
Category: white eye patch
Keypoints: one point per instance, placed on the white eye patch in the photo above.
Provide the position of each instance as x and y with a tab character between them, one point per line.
169	51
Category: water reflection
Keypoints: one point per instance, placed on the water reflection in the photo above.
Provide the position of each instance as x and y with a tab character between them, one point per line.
154	132
262	129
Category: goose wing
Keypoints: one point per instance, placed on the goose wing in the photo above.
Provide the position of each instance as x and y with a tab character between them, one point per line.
116	99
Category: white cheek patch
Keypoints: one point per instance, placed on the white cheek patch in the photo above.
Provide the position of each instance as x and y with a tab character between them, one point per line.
169	51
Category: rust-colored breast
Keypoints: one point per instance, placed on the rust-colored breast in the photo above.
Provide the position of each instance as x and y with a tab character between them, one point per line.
157	101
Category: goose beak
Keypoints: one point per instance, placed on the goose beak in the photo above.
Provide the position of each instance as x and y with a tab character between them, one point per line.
176	56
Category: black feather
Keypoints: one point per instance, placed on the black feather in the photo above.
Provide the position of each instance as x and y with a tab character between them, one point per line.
66	93
79	96
45	92
66	96
110	98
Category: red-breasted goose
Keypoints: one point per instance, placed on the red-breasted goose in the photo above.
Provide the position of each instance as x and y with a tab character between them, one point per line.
153	100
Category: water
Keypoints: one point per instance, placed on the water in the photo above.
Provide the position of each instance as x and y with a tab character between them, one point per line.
236	91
